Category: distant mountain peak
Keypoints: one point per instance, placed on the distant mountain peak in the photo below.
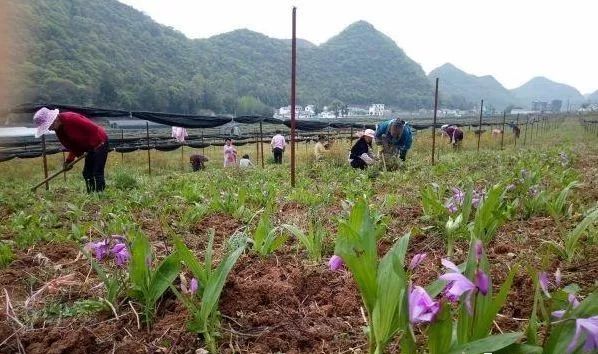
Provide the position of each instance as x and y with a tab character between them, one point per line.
544	89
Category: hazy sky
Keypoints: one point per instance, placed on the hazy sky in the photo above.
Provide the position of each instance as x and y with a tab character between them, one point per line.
513	40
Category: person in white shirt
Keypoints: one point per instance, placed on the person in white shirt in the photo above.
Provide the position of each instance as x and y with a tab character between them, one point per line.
278	145
245	162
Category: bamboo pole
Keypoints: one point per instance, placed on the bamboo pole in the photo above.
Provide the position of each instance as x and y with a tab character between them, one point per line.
45	161
149	156
480	126
434	124
293	82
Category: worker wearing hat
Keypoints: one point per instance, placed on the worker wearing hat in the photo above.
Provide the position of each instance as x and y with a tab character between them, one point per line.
79	136
395	137
361	156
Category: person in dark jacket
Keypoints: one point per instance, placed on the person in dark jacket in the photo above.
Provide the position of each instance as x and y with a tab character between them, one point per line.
395	136
198	161
79	136
361	156
454	133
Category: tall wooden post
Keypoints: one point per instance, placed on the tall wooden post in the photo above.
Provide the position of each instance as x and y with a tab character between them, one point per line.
257	145
262	144
502	135
45	160
434	124
182	156
203	148
122	139
293	72
480	126
516	136
525	135
149	156
63	161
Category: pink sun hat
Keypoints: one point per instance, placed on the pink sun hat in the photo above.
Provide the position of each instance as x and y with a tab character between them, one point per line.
43	119
368	132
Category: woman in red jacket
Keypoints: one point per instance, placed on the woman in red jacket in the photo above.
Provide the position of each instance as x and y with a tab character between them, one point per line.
78	135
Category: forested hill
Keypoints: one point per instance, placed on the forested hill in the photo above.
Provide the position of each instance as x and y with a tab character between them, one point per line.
459	89
105	53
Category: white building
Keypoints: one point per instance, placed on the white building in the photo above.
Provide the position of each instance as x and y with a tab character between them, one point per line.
285	112
377	109
327	114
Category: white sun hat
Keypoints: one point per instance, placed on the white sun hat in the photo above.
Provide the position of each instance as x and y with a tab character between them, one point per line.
43	119
370	133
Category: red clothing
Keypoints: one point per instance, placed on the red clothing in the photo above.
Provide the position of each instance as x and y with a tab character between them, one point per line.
79	135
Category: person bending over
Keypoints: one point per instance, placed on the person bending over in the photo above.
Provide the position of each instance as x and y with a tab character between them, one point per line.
361	156
79	136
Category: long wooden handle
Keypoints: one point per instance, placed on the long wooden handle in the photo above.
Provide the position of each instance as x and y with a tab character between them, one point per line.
56	174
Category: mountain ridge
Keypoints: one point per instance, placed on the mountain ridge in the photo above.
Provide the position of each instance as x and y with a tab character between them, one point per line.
106	53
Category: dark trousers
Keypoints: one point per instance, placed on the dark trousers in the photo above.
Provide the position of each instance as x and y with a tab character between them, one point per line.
277	155
93	171
358	163
402	154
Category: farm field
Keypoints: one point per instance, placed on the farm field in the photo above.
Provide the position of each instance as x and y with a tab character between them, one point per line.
532	207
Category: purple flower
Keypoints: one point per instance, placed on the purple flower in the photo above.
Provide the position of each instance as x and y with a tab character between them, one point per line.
510	187
533	191
193	286
450	265
121	254
558	277
451	206
479	250
477	198
335	262
543	279
482	282
458	196
572	301
590	326
100	249
416	260
457	285
421	306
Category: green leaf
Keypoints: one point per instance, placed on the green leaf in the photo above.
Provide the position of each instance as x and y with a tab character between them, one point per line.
392	288
520	349
440	332
166	273
216	282
187	257
356	245
487	317
574	236
138	267
488	344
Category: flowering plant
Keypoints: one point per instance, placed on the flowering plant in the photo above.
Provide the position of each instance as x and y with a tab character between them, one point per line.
204	297
383	284
149	282
113	280
572	326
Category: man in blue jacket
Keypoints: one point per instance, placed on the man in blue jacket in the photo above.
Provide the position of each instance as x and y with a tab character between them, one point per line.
395	137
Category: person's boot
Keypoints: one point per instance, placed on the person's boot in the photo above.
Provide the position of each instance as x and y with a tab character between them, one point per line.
89	184
100	183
